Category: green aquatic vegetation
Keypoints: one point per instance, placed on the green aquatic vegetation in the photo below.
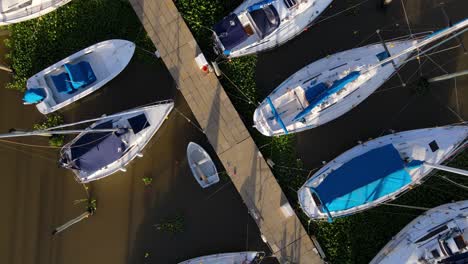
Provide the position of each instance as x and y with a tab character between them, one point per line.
147	181
52	120
36	44
173	225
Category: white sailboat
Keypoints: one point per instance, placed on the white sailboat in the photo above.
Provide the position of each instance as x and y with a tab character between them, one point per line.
439	235
15	11
379	170
259	25
93	156
202	166
332	86
78	75
248	257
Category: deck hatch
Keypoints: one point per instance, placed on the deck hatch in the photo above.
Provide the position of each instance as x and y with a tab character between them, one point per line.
138	123
434	146
290	3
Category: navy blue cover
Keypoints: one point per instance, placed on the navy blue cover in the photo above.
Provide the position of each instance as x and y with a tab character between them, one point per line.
81	74
266	19
94	151
62	83
230	31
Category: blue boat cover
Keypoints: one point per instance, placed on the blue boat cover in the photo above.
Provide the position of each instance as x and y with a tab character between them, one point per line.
34	95
337	86
81	74
364	179
62	83
266	19
230	31
94	151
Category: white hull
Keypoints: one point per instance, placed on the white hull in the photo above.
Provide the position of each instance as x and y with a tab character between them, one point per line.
411	145
135	143
107	59
203	168
293	22
15	11
289	98
419	241
227	258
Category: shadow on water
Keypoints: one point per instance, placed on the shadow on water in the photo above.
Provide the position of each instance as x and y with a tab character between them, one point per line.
391	106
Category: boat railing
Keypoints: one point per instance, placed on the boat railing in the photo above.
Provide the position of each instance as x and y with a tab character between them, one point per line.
32	10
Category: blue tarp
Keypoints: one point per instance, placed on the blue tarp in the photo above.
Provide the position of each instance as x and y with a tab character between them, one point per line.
260	5
364	179
94	151
336	87
230	31
34	95
62	83
81	74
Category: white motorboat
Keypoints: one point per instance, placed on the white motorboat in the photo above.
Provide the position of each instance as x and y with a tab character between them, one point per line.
202	166
259	25
15	11
438	236
78	75
93	156
378	171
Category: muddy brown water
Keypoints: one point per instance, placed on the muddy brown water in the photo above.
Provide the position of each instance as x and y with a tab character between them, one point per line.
37	196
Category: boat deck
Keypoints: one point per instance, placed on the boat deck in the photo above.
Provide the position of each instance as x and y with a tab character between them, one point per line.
226	132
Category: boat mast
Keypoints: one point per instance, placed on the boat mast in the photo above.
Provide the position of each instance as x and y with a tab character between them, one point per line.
48	133
433	37
446	168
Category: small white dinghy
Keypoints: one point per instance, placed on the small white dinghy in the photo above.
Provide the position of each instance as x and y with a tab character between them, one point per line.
378	171
259	25
328	88
202	166
93	156
248	257
78	75
15	11
439	235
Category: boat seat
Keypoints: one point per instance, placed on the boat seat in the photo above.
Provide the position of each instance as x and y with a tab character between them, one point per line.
62	83
81	74
205	160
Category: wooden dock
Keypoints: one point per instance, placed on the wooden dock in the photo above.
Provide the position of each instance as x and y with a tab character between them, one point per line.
226	132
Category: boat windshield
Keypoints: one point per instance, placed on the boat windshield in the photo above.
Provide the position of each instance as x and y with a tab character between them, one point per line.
266	19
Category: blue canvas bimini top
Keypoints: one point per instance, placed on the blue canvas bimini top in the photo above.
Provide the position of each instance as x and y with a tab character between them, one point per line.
364	179
94	151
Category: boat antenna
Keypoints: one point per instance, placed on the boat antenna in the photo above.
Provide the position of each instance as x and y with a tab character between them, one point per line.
48	133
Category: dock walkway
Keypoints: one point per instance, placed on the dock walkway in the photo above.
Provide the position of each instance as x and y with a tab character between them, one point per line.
226	132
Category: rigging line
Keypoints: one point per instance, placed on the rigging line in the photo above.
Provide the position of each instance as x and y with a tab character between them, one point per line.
406	18
436	64
341	12
397	114
32	154
189	120
388	89
442	191
248	99
454	182
448	107
408	206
